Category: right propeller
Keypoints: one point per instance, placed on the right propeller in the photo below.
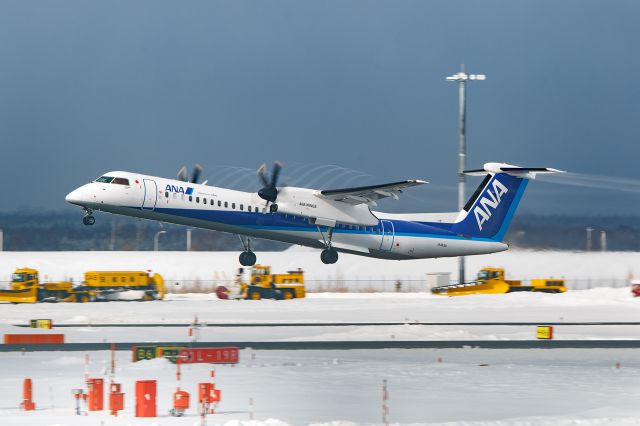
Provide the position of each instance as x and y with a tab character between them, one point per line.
269	190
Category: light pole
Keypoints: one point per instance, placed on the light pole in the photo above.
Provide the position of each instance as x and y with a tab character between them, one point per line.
156	238
589	244
462	77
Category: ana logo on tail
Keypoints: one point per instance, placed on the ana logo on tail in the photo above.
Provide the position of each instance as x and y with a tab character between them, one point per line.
484	207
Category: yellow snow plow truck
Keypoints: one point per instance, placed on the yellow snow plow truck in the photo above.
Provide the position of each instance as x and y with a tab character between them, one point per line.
491	281
265	285
25	287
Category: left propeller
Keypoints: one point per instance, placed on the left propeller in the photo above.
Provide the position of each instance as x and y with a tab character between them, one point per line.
195	174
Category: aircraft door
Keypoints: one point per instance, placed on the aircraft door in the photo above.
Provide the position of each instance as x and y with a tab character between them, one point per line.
387	235
150	195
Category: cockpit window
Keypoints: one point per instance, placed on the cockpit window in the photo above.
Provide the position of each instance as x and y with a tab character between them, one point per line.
111	179
121	181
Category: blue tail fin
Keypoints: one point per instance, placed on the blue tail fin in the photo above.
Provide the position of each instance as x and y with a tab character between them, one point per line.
489	211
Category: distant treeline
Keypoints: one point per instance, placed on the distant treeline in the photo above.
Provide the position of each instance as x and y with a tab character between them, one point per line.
63	230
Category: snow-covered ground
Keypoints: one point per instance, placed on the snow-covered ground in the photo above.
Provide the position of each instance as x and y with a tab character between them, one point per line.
468	387
446	387
601	304
356	273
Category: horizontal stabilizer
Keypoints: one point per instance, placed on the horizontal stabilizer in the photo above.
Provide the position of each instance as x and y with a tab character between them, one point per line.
522	172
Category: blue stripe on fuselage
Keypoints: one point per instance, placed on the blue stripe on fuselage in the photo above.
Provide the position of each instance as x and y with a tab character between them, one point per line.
281	222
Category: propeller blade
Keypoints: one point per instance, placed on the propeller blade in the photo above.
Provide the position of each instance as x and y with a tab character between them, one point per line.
262	176
182	174
195	173
275	173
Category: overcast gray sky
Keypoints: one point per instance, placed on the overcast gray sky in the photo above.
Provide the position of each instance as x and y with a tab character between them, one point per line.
92	86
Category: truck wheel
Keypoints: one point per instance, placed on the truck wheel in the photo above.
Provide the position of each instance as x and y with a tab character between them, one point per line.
255	295
287	295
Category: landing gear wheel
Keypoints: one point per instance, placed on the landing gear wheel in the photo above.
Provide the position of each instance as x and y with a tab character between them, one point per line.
329	256
89	220
247	258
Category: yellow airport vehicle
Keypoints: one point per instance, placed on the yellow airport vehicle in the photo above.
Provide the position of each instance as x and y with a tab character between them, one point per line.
25	287
265	285
105	283
492	281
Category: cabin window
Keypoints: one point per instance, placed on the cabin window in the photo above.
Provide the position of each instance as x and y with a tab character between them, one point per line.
241	206
114	280
226	204
219	203
256	210
204	201
104	179
124	279
190	198
131	279
211	201
120	181
197	199
166	194
233	206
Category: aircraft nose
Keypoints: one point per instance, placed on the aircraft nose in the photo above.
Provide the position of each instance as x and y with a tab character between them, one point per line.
74	197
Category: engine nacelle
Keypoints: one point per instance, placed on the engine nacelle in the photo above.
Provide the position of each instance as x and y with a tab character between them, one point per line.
309	203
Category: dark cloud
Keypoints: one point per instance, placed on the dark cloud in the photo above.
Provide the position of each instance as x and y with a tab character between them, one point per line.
88	86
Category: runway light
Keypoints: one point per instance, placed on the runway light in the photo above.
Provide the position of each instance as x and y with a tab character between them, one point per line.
545	332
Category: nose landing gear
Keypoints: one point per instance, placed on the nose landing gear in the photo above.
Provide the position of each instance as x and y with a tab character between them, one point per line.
247	257
88	218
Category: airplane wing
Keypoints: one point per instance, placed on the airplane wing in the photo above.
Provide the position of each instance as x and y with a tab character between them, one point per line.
369	194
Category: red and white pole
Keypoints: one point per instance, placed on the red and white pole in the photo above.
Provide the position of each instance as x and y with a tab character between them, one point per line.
385	400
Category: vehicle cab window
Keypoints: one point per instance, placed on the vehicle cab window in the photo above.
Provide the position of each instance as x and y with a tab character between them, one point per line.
104	179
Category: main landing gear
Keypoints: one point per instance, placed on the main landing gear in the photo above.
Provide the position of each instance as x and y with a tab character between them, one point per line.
329	255
247	257
88	218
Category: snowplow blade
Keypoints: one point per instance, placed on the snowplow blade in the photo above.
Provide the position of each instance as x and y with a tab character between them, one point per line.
27	295
471	288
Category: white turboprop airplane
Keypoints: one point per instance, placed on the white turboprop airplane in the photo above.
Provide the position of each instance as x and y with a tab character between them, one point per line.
335	220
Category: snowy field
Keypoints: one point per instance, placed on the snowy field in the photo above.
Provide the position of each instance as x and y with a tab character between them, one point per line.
468	387
334	388
601	304
354	273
